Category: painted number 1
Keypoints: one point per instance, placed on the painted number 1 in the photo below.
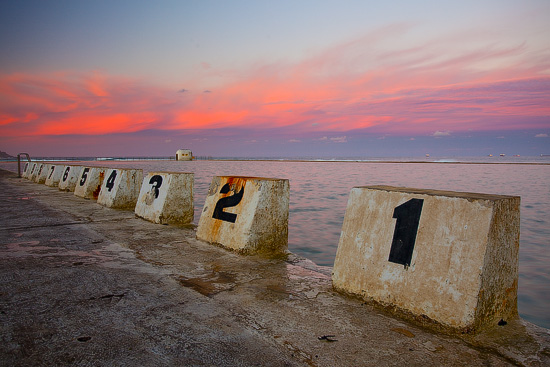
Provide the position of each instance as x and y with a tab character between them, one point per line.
406	227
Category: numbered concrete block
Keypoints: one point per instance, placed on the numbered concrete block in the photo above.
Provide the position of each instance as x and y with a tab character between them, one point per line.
55	172
30	170
69	178
42	173
448	256
26	169
246	214
166	198
120	189
37	172
89	182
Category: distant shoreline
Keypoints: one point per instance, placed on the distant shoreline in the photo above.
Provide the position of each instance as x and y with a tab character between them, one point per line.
290	160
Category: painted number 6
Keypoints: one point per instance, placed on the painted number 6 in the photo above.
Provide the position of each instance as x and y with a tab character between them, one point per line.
66	174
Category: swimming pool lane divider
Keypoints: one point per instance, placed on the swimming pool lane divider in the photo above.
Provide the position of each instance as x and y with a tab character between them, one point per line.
166	198
246	214
120	188
447	257
451	257
69	178
54	175
88	183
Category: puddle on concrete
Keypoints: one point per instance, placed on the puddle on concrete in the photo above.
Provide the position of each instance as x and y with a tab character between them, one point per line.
216	282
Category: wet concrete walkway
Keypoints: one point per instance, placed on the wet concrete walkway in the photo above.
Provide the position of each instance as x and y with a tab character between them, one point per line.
84	285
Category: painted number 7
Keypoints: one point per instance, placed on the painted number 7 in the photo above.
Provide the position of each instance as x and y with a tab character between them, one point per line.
406	227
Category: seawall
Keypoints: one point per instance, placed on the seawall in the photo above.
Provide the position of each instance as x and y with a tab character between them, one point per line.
83	284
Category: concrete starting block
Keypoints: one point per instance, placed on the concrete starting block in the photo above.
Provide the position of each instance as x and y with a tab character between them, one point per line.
120	188
448	256
89	183
246	214
54	175
166	198
69	178
42	173
37	172
26	169
30	170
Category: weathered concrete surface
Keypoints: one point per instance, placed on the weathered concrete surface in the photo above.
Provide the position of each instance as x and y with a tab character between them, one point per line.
120	188
246	214
85	285
166	198
463	269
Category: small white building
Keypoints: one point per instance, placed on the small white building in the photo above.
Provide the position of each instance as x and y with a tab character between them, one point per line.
184	155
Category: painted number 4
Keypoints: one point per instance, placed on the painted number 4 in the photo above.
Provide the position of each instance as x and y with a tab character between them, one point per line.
406	227
111	181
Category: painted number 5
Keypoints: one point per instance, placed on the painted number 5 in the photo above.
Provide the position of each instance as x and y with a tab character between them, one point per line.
406	227
84	176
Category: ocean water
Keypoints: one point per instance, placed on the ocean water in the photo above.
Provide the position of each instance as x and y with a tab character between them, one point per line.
319	191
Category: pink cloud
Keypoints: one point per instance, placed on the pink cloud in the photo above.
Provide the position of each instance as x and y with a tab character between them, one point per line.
367	84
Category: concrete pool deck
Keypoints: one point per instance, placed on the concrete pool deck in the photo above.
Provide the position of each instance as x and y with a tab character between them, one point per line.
83	285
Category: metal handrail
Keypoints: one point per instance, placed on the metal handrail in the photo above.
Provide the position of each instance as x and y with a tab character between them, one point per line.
19	162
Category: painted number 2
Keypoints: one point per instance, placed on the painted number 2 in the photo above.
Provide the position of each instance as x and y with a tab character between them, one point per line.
406	227
227	202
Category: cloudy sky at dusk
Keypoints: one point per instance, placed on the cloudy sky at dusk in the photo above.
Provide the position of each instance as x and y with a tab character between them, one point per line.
275	78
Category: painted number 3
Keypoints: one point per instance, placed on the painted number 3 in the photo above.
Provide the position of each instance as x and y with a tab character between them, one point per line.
406	227
227	202
156	182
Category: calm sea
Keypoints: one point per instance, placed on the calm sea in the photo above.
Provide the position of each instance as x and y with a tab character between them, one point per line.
319	191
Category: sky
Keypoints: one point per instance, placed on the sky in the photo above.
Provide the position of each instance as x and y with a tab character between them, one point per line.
299	78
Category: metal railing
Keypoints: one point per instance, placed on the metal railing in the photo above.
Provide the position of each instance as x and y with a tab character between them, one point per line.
19	162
